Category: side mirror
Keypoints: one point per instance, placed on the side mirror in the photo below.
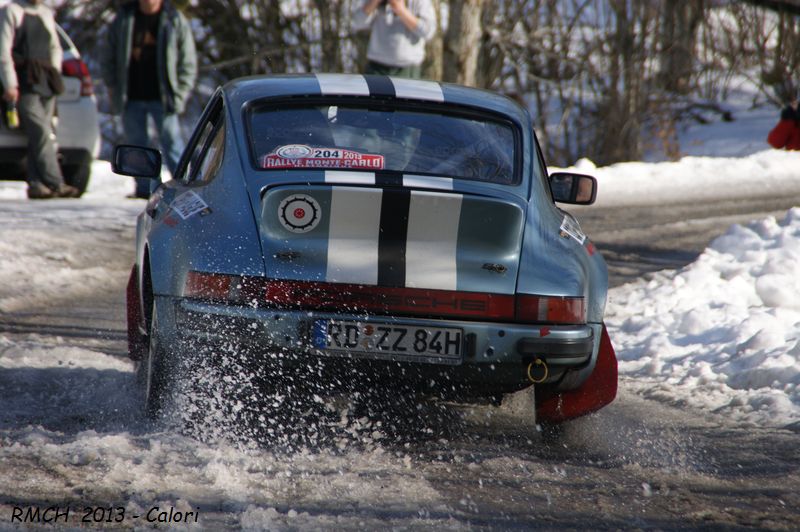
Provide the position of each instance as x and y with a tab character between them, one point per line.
136	161
575	189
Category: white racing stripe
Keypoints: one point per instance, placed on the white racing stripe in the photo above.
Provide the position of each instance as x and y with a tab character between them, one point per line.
355	223
417	89
432	240
346	84
422	181
345	177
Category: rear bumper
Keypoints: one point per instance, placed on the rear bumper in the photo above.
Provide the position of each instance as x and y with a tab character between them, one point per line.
569	351
495	356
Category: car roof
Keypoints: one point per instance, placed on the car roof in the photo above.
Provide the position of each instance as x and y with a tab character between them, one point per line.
244	90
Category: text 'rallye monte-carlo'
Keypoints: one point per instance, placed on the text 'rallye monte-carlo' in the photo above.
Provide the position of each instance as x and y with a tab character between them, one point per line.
392	233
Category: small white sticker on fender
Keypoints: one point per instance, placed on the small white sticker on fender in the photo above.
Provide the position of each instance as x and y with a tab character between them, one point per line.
570	226
188	204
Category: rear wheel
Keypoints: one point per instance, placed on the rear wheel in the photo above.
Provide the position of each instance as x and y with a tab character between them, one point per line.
153	372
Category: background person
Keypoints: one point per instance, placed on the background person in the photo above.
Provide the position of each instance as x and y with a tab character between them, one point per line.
30	73
149	65
787	133
399	30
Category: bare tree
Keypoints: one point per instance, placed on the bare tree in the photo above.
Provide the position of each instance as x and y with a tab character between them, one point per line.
433	66
462	41
678	34
780	71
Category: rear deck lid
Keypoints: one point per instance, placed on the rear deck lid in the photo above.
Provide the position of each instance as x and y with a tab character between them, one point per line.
391	237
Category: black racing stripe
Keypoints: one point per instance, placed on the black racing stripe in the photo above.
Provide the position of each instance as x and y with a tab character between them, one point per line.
392	238
389	179
380	86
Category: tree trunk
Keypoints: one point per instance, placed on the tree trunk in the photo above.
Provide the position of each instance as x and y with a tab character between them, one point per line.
463	41
432	66
679	24
330	19
491	58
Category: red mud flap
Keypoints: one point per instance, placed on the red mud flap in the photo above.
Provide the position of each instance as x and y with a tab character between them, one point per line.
136	340
598	390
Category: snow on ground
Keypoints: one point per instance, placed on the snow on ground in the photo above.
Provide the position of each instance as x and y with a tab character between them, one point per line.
43	245
743	133
722	334
761	174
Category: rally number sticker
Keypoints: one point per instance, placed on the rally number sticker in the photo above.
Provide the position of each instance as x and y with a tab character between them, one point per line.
299	213
302	156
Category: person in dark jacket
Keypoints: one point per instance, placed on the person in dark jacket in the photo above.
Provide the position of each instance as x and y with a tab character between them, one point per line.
787	133
30	74
149	65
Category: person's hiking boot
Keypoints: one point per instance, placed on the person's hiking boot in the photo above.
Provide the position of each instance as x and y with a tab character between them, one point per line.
67	191
39	191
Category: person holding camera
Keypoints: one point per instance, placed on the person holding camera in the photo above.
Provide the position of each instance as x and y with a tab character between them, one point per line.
399	30
787	133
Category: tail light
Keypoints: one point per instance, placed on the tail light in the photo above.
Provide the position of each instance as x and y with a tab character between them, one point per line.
224	288
309	295
211	286
76	68
547	309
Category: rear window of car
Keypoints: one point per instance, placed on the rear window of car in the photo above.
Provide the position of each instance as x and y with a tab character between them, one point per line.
411	141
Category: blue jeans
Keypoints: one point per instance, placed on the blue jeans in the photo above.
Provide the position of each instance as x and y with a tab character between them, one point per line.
134	122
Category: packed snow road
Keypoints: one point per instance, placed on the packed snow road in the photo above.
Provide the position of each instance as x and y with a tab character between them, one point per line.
73	445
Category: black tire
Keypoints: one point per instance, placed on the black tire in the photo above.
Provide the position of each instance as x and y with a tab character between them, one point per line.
154	373
77	175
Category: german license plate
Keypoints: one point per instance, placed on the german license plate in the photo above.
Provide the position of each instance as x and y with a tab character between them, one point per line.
383	340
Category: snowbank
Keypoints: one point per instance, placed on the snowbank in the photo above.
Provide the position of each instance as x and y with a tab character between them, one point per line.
723	333
768	173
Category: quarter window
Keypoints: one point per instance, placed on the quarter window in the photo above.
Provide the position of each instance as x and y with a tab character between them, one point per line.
203	157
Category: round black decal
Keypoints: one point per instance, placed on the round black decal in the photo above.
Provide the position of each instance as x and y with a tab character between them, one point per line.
299	214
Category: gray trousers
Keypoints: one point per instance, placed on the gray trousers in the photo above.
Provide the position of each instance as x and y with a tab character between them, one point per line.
36	120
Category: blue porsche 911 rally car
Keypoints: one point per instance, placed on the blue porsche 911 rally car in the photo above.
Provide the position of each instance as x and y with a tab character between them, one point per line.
393	232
